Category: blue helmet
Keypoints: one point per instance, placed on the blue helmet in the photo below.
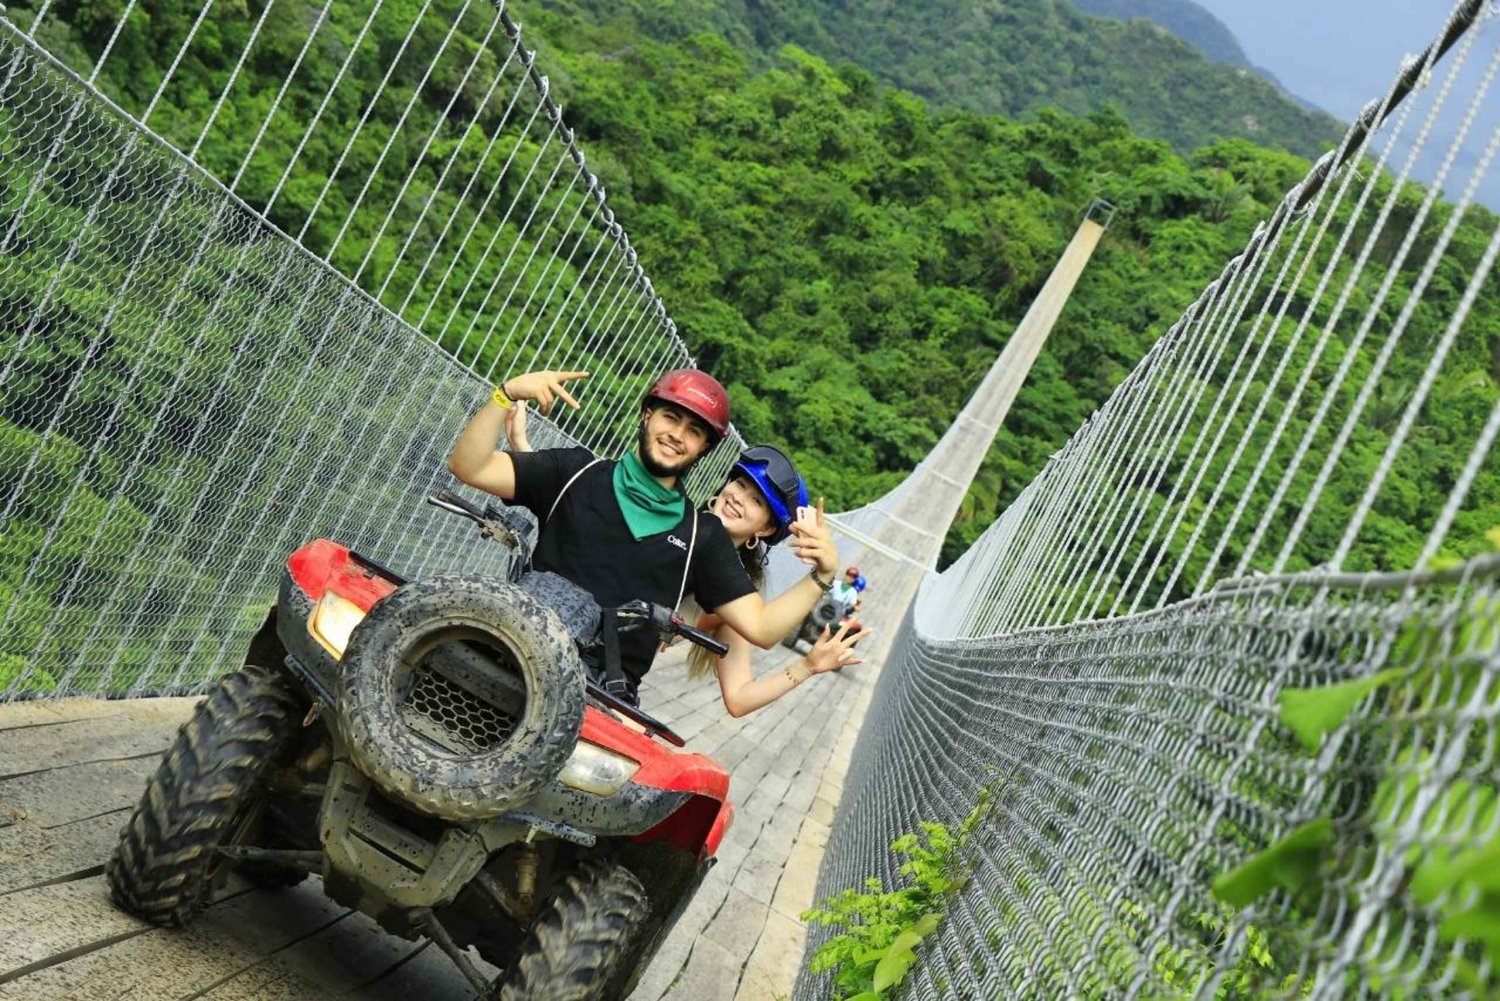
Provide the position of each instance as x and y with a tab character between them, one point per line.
774	475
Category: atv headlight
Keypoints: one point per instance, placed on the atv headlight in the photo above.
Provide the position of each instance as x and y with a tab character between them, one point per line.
596	770
333	619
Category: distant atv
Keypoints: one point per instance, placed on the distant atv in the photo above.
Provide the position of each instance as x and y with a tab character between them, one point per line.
436	751
827	612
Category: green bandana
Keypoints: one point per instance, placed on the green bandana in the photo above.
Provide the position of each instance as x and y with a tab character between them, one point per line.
649	508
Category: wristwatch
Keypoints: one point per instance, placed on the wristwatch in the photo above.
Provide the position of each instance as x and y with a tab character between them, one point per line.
825	588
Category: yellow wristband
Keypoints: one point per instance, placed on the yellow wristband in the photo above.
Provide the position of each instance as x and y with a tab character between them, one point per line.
501	400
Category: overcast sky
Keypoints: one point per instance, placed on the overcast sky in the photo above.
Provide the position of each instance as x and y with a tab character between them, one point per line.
1335	53
1339	54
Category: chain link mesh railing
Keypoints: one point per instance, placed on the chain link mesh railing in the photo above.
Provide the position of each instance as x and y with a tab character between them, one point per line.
248	299
251	302
1225	672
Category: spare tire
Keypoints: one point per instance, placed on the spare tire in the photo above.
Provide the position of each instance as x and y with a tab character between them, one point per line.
825	613
461	695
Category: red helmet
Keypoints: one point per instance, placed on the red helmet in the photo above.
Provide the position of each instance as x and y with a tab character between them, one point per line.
852	572
696	392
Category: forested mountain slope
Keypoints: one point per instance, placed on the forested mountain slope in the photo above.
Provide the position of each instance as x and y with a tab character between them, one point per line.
1010	57
1183	18
846	257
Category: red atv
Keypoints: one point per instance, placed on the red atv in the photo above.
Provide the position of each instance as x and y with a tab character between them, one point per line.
437	751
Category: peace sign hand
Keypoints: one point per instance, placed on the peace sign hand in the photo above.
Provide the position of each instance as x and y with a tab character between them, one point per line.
545	387
835	651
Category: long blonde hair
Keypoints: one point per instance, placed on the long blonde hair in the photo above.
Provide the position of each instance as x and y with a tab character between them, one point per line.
700	662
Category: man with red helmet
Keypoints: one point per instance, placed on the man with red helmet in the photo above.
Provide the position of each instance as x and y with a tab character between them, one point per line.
625	529
846	591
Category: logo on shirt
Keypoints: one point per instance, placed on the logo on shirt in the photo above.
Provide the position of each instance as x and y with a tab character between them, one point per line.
674	540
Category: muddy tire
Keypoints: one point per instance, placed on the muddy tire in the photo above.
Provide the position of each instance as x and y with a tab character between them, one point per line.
461	695
588	942
206	787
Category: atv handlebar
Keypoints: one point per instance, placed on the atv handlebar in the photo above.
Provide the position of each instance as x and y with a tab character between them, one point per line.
698	636
491	520
668	622
450	501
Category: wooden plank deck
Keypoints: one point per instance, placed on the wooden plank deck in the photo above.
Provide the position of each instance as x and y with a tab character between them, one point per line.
70	772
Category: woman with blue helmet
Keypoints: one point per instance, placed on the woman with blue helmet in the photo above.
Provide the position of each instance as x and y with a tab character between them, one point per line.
757	506
778	484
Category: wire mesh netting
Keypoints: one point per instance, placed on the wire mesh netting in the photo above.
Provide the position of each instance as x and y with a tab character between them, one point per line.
1220	683
1234	734
212	351
1131	762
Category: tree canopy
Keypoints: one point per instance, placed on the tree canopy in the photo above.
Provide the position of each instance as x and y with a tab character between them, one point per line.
1166	65
848	257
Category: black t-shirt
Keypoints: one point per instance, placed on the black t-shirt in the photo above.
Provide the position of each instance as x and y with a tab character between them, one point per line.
587	541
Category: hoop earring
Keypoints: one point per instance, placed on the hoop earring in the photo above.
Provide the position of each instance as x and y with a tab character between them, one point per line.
760	553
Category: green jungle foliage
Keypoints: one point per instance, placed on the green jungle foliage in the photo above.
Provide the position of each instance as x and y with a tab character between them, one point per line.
145	580
1014	58
1412	784
847	259
881	929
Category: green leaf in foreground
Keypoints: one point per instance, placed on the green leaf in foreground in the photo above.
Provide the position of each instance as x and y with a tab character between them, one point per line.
1290	864
1477	868
893	967
1311	713
902	953
1479	922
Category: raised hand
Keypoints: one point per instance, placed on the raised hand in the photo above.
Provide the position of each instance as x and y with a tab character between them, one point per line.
836	650
546	388
812	539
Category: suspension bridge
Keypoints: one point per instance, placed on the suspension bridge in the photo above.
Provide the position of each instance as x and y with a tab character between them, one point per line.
1222	739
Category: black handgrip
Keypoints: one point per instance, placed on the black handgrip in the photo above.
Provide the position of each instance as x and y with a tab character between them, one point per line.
664	621
701	638
449	497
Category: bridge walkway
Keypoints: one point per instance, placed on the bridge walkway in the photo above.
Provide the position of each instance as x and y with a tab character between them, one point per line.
71	770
